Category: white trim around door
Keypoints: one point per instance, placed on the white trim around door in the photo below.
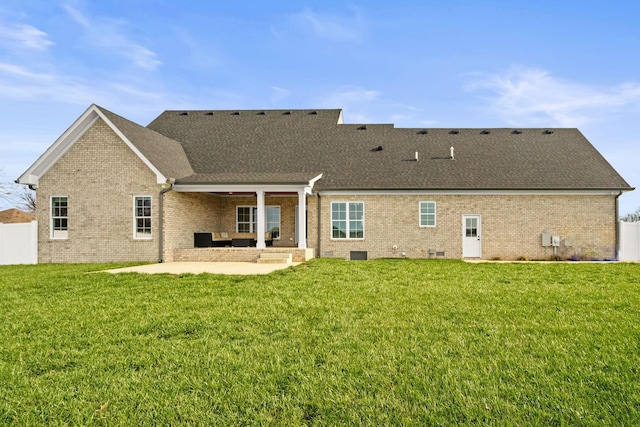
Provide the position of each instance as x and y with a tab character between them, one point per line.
471	236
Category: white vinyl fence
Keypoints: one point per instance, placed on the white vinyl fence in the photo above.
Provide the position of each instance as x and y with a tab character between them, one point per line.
629	241
19	243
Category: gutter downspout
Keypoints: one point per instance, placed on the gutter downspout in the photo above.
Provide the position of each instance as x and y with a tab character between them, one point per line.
319	225
170	181
617	248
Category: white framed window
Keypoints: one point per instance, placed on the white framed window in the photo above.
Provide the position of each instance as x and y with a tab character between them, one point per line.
347	220
273	221
59	217
142	217
246	217
427	214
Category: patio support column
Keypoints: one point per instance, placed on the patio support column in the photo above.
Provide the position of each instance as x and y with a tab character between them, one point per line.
302	220
260	221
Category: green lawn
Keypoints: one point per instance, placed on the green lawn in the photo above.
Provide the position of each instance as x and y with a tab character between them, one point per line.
330	342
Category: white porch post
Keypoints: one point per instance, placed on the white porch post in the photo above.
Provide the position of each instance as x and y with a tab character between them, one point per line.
260	221
302	220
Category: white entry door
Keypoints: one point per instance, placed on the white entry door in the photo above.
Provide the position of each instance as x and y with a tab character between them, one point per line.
471	232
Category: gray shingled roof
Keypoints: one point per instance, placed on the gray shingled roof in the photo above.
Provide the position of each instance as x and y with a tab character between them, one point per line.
250	144
164	153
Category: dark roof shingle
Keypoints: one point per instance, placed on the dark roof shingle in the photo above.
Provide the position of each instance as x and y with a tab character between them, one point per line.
239	144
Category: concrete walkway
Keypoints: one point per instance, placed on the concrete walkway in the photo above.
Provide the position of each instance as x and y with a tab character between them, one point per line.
204	267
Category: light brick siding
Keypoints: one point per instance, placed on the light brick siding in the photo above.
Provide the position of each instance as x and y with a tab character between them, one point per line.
188	213
185	214
511	226
237	254
100	175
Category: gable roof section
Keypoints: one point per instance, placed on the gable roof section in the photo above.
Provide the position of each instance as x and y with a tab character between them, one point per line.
294	147
161	152
15	216
164	157
382	157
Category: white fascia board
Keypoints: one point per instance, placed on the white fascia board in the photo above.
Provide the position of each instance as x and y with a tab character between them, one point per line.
560	192
240	188
32	175
160	178
247	188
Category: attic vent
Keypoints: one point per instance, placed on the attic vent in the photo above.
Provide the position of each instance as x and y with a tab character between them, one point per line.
313	113
210	113
261	113
378	148
235	113
485	132
363	127
548	132
422	132
454	131
516	132
184	113
286	113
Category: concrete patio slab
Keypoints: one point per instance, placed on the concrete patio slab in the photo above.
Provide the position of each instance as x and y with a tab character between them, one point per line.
244	268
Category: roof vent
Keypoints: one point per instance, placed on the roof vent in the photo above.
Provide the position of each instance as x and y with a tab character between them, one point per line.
235	113
454	131
378	148
516	132
210	113
422	132
485	132
363	127
286	113
184	113
548	132
261	113
313	113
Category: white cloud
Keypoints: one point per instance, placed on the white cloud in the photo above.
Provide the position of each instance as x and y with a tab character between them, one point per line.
78	16
24	36
345	28
348	96
110	34
16	70
280	91
534	97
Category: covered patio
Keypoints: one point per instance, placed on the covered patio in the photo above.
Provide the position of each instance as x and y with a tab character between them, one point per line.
236	218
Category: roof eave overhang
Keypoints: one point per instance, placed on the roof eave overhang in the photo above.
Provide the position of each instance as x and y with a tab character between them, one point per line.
478	191
32	175
248	187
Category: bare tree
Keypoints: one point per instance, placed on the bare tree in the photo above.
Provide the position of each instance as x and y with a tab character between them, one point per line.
18	196
632	217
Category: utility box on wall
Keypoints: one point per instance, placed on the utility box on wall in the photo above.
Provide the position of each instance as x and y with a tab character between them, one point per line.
549	240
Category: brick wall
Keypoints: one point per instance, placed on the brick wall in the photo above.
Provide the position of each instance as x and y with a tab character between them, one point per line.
188	213
237	254
100	175
185	214
511	226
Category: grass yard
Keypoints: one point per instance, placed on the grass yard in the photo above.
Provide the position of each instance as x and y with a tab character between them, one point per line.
330	342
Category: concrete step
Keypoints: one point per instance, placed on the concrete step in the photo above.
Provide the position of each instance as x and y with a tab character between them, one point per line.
275	258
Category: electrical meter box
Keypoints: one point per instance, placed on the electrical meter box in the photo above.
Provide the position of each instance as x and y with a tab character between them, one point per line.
555	240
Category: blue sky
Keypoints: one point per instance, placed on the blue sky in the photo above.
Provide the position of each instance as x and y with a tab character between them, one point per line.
459	64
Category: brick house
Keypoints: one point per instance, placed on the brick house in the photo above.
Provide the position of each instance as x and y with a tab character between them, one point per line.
222	185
